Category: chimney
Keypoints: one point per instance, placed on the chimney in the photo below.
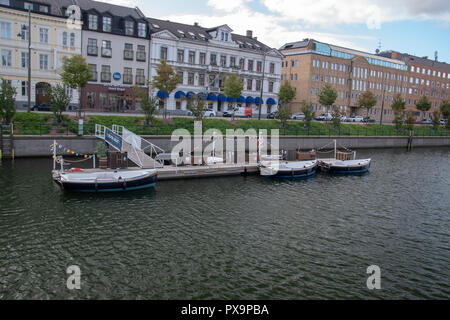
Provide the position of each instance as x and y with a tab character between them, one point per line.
256	38
196	24
249	34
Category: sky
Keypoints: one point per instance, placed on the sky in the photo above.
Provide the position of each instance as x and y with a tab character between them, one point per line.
418	27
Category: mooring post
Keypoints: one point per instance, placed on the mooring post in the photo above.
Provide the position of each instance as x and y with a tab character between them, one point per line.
12	140
410	140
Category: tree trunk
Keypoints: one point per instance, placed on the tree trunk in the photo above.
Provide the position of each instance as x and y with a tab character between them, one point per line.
79	102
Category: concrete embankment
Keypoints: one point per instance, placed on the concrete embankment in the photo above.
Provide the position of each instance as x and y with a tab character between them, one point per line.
39	146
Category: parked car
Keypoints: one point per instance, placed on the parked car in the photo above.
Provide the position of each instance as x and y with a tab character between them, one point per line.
324	117
209	113
343	118
368	119
298	116
245	112
227	114
355	119
272	115
46	106
443	122
426	121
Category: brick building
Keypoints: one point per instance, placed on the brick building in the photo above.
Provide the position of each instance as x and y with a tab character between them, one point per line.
308	65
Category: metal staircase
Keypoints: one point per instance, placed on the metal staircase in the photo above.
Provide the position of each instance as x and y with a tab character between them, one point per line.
139	150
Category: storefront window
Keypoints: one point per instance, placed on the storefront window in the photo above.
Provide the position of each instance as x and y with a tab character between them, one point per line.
90	100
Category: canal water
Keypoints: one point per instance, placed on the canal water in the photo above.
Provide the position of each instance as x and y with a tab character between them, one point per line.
232	238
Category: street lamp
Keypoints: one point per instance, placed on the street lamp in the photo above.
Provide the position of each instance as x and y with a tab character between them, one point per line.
22	35
262	87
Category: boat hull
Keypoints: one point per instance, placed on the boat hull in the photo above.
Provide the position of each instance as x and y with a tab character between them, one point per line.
351	168
148	181
290	170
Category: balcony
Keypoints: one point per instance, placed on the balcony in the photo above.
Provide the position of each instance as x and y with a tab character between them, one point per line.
141	56
107	52
140	80
106	76
128	54
94	76
127	79
92	51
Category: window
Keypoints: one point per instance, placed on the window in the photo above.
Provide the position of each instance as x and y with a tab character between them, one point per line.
93	69
127	75
140	77
163	53
142	30
43	35
250	65
249	84
213	60
90	99
140	53
64	38
106	73
259	66
72	40
106	49
93	22
129	28
270	86
232	61
202	58
272	68
24	33
191	78
180	55
223	61
24	88
24	59
92	48
226	36
201	79
128	52
43	61
241	63
258	85
28	6
6	58
4	2
107	21
180	75
192	57
43	9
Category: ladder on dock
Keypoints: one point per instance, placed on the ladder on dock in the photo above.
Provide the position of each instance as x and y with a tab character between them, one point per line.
139	150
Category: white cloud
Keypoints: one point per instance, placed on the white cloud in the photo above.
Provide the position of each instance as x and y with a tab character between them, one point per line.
125	3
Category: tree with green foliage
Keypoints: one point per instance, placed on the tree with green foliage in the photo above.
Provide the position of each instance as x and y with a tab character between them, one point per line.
445	110
101	149
286	94
75	75
436	118
327	96
7	101
398	107
148	103
166	80
59	100
233	87
410	120
196	106
367	100
306	109
423	104
336	114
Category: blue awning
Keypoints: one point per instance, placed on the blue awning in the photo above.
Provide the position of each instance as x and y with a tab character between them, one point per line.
179	94
258	100
241	99
162	94
271	101
211	97
250	100
201	96
222	98
231	99
190	94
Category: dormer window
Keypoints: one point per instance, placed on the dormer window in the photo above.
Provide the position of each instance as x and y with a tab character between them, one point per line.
93	22
226	36
155	26
28	6
4	2
107	24
142	30
129	28
43	9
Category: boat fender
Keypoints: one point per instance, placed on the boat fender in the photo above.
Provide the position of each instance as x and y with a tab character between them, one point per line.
74	170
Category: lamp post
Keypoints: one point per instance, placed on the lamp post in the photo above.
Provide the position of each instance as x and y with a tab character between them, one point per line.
382	102
29	56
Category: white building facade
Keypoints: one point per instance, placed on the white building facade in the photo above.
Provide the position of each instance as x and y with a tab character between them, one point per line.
204	57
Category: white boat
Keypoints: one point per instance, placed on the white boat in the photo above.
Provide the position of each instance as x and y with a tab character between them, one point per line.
103	181
345	166
288	169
